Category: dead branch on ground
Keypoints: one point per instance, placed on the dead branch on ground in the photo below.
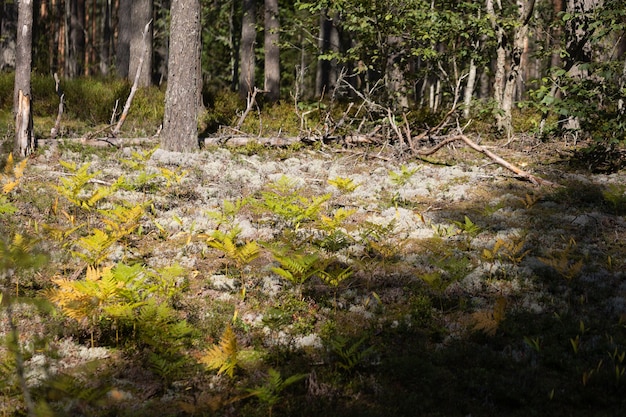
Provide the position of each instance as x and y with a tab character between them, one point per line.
497	159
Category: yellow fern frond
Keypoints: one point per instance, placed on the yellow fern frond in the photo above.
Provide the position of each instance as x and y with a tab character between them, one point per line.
18	171
9	165
223	356
489	321
9	186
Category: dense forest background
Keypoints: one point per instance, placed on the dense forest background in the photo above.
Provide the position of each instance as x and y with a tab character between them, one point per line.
560	56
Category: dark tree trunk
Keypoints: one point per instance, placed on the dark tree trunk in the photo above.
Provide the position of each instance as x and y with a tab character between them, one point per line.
180	124
24	140
326	75
272	51
76	51
8	21
141	14
105	45
124	34
246	52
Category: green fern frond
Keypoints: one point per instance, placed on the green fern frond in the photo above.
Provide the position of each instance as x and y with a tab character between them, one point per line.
345	185
96	246
296	267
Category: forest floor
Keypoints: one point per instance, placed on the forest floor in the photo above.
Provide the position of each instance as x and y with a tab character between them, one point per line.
438	287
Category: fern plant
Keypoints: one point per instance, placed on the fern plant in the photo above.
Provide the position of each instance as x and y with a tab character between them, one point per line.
270	392
223	356
563	262
344	185
9	180
228	212
295	266
122	295
350	354
488	321
403	176
238	253
285	200
78	189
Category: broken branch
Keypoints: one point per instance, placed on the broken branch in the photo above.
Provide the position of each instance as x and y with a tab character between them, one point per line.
497	159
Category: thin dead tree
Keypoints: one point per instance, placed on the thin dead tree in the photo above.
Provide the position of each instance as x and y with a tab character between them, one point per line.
133	90
57	123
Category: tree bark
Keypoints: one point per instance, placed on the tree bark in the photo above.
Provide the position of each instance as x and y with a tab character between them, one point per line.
272	51
124	34
246	52
394	74
105	45
180	123
326	75
76	55
141	14
469	89
506	82
24	139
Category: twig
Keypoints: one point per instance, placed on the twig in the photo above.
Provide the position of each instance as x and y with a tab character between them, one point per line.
250	102
133	89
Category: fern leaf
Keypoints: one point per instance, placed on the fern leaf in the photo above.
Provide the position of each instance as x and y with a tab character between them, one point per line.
9	164
223	356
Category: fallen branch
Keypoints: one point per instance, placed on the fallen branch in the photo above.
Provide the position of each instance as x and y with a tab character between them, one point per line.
497	159
133	89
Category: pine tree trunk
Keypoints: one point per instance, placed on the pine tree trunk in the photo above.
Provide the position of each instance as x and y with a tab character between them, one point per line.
24	140
105	45
246	52
272	51
326	75
141	14
76	55
180	124
124	34
394	74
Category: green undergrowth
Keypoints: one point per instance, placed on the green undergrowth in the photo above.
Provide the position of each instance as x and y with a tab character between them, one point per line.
89	104
335	311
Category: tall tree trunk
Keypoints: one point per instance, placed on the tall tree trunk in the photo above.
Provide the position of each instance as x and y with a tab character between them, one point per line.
506	82
394	74
272	51
7	35
105	45
24	139
141	14
555	58
469	89
180	123
124	34
326	75
234	38
76	55
246	51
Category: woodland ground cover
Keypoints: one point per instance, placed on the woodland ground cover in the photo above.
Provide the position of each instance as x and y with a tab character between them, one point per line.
310	280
